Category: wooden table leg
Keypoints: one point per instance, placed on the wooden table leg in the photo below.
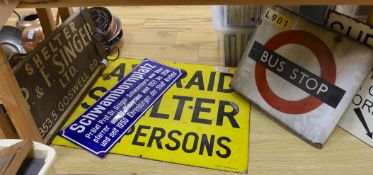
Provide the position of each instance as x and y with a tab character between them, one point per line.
65	13
15	104
6	130
46	20
370	16
3	125
6	9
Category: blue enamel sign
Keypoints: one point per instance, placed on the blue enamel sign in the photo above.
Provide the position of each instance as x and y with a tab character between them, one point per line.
100	127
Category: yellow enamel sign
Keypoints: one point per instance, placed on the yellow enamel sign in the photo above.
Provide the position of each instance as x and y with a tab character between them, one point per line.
199	121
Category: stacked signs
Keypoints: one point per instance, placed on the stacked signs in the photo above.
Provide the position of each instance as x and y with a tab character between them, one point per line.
55	75
301	74
199	121
358	118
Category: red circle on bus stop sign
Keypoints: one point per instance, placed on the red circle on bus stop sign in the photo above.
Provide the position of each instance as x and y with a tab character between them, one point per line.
327	67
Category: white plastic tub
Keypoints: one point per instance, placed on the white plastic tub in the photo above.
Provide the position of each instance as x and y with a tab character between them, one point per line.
39	151
236	24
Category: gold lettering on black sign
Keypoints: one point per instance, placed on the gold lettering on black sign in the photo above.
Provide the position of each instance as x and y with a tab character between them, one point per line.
55	74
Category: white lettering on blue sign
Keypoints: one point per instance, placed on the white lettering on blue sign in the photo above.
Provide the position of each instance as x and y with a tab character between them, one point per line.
100	127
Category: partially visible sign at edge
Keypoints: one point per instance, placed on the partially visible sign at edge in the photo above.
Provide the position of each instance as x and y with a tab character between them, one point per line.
358	118
350	27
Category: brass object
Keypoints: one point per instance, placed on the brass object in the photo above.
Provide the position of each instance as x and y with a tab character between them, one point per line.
27	20
32	36
118	34
32	33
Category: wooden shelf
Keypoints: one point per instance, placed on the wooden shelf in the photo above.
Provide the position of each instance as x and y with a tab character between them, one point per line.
74	3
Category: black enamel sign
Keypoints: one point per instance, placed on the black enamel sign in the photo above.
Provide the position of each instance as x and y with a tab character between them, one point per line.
54	76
